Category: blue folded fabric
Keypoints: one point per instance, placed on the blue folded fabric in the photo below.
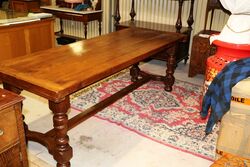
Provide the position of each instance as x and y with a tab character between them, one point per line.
218	95
80	7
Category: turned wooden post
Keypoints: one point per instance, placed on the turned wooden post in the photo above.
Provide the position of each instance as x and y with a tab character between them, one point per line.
190	20
117	15
132	12
178	24
61	26
63	151
135	72
169	78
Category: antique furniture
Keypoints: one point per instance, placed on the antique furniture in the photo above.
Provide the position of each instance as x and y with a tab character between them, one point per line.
62	11
25	5
201	48
19	37
12	140
56	73
182	52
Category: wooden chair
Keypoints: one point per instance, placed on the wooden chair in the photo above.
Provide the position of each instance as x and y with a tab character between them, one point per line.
212	5
201	48
178	28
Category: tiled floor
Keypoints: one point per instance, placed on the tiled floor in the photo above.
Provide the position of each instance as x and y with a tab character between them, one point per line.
109	145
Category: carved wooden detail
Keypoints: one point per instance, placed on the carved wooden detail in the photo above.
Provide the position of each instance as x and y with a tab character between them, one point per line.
132	12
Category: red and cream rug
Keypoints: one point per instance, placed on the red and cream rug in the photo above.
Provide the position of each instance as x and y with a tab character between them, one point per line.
170	118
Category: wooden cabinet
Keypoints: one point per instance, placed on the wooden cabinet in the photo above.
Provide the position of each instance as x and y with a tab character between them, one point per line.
12	139
201	50
25	38
25	5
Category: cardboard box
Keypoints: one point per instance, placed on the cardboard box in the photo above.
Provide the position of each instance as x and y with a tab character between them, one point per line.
240	100
234	134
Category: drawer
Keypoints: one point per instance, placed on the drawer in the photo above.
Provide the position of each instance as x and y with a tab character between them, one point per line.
8	128
11	157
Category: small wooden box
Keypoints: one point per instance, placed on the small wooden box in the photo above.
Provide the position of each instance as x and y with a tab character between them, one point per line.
12	138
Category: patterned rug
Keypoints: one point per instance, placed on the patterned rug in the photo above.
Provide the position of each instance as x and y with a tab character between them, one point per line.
170	118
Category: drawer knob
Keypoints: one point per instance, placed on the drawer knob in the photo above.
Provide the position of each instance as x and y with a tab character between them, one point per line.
1	132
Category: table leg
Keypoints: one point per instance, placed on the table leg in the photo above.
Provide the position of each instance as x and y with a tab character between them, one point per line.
134	72
100	27
169	79
61	26
62	151
85	29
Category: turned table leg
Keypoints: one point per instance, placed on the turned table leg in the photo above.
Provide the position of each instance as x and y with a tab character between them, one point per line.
62	151
61	26
134	72
169	79
100	27
85	24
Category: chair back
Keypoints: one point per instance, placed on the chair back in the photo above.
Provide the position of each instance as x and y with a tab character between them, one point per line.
211	6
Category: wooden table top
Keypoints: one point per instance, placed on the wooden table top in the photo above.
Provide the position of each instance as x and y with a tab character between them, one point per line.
60	71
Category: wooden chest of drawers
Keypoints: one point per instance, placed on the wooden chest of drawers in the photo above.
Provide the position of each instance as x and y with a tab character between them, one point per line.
12	139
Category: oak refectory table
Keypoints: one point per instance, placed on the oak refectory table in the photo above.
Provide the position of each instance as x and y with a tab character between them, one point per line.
58	72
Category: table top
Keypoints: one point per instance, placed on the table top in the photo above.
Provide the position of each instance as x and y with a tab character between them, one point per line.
60	71
69	10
